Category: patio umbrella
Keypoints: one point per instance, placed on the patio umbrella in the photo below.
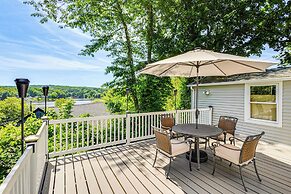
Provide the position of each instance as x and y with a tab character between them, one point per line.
204	63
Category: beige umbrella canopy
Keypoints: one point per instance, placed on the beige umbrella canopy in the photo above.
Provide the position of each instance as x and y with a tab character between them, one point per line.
204	63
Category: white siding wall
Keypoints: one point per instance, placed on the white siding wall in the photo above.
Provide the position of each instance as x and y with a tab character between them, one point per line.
229	100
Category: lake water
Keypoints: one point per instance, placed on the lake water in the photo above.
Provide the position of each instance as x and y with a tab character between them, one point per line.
51	104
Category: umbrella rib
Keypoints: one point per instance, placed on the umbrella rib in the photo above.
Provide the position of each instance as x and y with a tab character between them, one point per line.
147	68
247	65
168	69
219	69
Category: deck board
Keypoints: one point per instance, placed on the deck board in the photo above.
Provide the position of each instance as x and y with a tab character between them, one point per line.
128	169
60	176
70	177
92	183
79	174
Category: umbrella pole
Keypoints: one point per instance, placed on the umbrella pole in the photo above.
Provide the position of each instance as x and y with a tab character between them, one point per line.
197	111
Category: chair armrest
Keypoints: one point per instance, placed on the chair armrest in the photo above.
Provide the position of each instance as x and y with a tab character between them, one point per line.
166	128
234	149
214	145
235	138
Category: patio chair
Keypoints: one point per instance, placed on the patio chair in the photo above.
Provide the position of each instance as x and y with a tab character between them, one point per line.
167	123
228	125
170	147
238	156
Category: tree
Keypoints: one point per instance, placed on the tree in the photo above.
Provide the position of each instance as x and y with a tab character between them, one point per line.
138	32
65	107
10	109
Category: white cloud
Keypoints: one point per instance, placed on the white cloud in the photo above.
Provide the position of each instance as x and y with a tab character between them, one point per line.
45	62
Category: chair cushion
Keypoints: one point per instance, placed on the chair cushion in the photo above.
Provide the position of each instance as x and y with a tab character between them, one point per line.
229	154
179	147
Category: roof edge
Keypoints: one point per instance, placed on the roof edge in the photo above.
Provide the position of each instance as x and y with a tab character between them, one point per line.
243	82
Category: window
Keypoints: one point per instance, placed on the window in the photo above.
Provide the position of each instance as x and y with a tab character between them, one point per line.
263	104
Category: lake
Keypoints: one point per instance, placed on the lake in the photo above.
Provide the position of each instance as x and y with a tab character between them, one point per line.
51	104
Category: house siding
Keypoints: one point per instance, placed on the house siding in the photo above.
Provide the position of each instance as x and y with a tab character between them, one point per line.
229	100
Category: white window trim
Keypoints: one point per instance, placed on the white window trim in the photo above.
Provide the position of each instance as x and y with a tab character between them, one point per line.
279	96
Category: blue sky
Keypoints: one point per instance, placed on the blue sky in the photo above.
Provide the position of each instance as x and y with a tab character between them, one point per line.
45	54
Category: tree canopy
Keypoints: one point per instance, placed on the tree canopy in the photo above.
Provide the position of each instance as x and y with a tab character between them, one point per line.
136	33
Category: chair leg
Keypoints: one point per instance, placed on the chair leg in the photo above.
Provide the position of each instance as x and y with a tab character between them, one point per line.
257	170
240	172
230	164
214	164
206	140
167	175
155	158
190	158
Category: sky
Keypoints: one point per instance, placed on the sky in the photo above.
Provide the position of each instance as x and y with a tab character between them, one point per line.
48	55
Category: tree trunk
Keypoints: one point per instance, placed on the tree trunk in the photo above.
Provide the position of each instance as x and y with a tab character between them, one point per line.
150	30
131	80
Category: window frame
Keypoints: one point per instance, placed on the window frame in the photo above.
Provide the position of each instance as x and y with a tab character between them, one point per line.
247	104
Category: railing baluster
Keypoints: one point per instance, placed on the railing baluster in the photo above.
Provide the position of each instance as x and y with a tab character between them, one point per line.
92	132
110	130
77	134
142	126
72	135
134	127
66	136
88	129
118	128
101	128
61	137
97	131
114	129
122	128
55	138
106	130
82	133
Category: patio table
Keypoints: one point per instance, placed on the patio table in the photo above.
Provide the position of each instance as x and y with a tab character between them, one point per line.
203	131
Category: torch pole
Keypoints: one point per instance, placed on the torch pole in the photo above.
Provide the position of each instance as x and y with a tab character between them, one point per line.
22	125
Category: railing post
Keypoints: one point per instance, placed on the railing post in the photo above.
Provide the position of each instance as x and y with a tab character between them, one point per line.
31	141
177	117
127	128
45	119
210	114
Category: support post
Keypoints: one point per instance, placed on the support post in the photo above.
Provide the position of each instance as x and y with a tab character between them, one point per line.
210	115
177	121
127	128
31	141
196	104
45	119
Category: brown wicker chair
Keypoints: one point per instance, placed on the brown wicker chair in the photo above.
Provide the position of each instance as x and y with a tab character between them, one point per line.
167	123
170	147
238	156
228	125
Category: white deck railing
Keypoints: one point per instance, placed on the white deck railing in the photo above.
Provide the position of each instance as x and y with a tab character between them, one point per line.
26	176
80	134
60	137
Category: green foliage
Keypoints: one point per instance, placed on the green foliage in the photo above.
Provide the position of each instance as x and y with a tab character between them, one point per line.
55	92
116	103
52	114
84	115
138	32
65	107
10	109
10	143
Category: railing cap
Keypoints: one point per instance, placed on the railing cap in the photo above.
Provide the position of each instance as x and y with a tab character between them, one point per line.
31	139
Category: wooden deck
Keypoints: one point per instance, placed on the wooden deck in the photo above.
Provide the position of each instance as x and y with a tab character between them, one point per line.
128	169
